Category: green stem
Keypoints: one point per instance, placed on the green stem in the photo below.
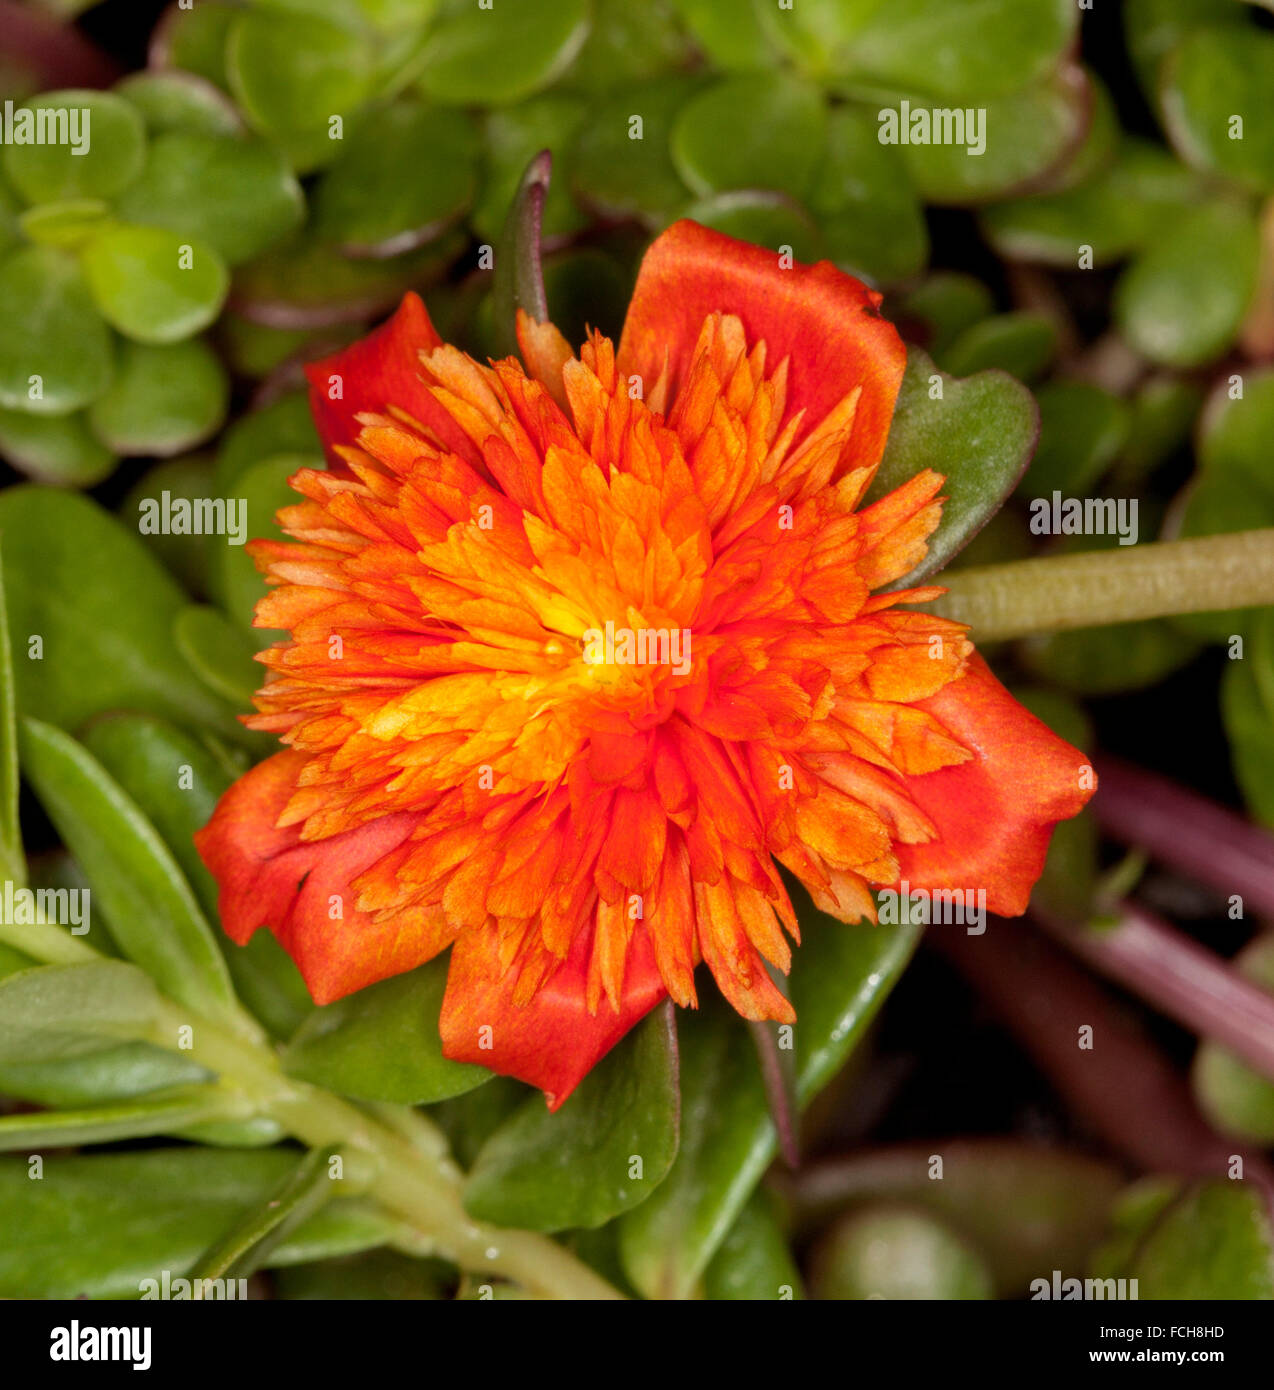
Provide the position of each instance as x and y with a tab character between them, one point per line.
405	1154
1057	592
416	1180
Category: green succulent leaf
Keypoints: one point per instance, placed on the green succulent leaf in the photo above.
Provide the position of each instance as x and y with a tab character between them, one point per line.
895	1253
840	976
180	101
152	284
59	450
154	916
980	433
236	196
139	1214
981	48
869	214
604	1152
51	1013
160	1113
1183	301
764	130
99	646
177	782
162	400
1030	134
1213	1240
622	166
1215	97
55	351
754	1261
103	161
1234	1097
476	57
293	75
364	203
382	1043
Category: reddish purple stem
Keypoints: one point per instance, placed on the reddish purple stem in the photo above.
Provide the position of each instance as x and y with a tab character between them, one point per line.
1122	1086
1202	840
1181	978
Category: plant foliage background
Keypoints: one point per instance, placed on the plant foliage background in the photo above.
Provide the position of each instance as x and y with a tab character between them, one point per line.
1112	250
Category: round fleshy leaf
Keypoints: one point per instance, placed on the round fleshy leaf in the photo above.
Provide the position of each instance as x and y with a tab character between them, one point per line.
67	224
258	493
1216	102
945	305
894	1253
981	49
154	285
163	400
55	351
94	146
307	283
1154	28
285	426
1183	302
1247	709
1022	342
764	130
477	57
194	40
1118	211
184	556
215	651
1232	489
177	100
871	219
1082	431
627	43
732	36
978	433
1028	134
1096	151
292	73
512	137
57	449
621	164
236	195
767	219
367	203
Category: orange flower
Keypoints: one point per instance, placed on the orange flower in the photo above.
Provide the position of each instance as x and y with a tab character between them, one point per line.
579	652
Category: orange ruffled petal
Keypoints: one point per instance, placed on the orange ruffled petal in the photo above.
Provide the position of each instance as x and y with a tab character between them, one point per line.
826	323
995	813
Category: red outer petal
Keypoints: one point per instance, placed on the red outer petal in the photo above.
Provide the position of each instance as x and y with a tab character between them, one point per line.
269	877
553	1042
376	372
995	813
827	322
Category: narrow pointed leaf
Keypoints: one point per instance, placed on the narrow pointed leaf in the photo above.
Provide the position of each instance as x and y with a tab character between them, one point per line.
52	1012
248	1244
155	918
132	1119
840	977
